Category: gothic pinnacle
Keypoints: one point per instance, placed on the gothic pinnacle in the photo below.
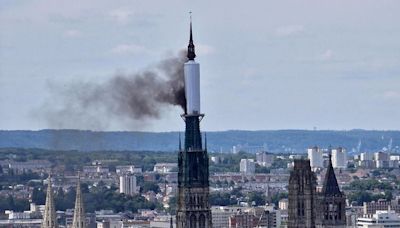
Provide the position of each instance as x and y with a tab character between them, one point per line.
79	220
49	216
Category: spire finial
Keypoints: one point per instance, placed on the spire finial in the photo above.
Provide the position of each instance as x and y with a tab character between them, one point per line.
191	53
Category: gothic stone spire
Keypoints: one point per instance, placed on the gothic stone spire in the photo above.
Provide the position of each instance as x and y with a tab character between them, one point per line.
193	209
79	220
331	186
332	206
49	216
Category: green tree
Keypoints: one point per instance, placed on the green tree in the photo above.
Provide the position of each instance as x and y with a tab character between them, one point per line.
261	169
256	197
279	163
221	199
150	186
172	205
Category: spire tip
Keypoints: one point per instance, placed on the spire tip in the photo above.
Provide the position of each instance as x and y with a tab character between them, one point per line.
191	52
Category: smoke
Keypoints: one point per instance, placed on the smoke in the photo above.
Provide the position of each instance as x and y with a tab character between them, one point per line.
134	98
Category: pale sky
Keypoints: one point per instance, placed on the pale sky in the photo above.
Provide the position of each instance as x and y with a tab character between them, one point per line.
264	64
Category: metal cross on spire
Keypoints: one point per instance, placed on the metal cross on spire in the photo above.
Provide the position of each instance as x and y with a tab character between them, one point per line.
191	53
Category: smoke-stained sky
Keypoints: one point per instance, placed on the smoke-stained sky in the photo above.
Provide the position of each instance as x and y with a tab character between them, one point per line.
264	64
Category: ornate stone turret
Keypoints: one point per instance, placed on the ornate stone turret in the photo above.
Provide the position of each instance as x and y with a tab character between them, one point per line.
49	216
332	204
79	220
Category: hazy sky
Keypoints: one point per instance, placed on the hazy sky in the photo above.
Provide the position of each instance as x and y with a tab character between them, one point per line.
264	64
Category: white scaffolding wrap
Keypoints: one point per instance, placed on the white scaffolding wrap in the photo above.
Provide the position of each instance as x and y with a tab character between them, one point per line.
192	87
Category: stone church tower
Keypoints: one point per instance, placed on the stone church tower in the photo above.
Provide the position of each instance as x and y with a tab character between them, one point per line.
307	208
302	196
332	203
193	209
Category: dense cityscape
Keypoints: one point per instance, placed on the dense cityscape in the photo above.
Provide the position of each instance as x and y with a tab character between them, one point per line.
139	189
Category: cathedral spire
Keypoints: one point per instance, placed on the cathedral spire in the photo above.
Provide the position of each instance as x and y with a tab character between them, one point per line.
49	216
330	186
79	220
193	174
191	53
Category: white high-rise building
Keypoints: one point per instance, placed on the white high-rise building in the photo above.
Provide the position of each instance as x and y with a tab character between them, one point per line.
381	156
366	156
127	185
380	219
315	156
247	166
381	159
339	158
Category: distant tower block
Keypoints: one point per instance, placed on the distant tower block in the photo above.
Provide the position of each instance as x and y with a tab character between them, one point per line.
315	156
127	184
49	216
339	158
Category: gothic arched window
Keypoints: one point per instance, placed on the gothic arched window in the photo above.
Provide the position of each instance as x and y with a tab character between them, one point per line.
193	221
202	221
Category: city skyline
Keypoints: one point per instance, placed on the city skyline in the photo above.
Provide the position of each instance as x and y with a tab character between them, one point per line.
329	65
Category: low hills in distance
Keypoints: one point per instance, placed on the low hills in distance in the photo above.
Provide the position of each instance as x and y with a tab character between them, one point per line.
220	141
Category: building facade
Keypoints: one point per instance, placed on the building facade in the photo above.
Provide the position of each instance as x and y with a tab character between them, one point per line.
381	219
315	157
247	166
339	158
127	184
265	159
165	167
370	208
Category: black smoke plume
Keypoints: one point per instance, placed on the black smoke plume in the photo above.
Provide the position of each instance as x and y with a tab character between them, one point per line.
133	98
142	95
